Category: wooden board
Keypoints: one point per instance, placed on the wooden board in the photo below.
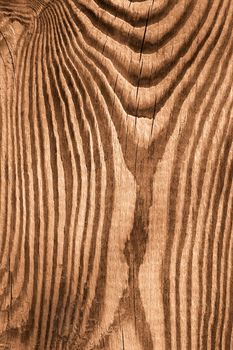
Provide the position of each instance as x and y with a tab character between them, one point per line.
116	168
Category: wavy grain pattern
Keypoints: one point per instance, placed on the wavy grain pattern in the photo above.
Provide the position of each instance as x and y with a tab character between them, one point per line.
116	169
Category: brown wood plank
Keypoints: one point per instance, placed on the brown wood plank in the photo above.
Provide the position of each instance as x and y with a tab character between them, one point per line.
116	169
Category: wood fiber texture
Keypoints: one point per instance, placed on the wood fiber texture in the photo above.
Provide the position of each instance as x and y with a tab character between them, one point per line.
116	169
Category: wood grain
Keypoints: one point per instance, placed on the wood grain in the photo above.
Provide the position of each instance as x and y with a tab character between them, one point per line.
116	169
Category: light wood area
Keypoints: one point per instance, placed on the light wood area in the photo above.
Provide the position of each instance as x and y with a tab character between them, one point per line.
116	174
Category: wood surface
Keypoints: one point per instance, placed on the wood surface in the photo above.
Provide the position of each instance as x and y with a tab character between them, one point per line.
116	169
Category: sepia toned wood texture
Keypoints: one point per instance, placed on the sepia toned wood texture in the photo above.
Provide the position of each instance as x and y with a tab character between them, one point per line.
116	168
